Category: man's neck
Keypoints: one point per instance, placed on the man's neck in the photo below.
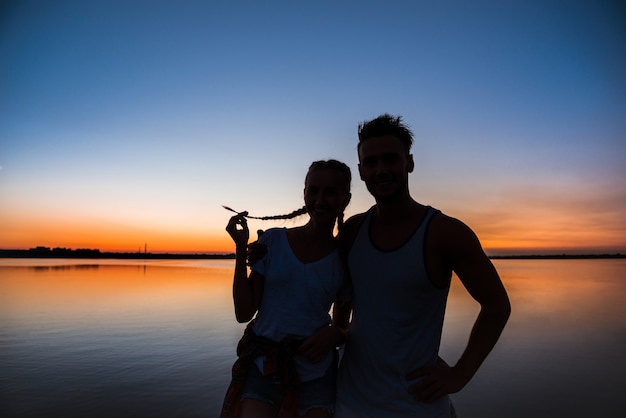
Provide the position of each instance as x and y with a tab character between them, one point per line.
396	210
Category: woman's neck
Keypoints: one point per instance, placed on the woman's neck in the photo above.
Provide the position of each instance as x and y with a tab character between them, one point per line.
310	242
319	233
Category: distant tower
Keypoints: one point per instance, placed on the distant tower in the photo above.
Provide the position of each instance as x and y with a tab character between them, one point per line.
145	248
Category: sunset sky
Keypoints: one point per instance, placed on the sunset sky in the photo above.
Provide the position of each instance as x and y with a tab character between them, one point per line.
129	123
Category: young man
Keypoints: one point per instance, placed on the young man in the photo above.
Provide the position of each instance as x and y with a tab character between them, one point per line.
401	255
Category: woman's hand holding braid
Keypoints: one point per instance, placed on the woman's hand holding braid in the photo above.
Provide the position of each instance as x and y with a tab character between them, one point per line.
238	230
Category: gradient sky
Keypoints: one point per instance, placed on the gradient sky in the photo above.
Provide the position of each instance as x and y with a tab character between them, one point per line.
126	123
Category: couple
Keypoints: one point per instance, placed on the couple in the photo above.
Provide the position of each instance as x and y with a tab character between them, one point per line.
390	268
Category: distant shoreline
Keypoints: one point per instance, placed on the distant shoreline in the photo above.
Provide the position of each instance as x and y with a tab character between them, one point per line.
88	253
555	256
44	252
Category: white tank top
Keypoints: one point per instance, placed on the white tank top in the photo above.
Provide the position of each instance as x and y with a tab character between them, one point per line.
396	327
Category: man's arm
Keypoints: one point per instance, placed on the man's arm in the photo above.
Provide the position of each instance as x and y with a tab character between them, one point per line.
483	283
342	310
467	259
341	319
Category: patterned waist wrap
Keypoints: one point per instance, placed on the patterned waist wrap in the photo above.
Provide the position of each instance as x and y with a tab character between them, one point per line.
279	367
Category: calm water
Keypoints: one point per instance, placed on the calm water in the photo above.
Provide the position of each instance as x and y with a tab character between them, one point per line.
157	339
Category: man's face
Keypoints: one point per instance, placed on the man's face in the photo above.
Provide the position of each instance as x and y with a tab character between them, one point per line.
384	166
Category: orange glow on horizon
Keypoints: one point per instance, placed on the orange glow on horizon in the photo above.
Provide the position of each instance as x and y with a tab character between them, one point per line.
499	235
112	237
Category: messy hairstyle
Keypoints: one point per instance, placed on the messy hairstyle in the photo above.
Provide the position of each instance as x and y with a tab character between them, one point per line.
386	125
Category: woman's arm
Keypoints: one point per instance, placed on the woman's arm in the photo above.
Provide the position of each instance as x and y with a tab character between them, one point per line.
247	291
317	346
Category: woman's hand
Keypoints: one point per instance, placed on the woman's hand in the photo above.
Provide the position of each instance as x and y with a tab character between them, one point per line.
238	230
256	251
317	346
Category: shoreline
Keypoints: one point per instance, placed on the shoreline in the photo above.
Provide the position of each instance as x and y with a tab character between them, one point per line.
97	254
556	256
43	252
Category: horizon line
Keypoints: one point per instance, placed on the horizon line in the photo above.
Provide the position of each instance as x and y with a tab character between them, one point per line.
47	252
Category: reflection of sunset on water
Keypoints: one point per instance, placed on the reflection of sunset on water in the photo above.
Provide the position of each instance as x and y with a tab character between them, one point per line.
549	298
99	292
164	332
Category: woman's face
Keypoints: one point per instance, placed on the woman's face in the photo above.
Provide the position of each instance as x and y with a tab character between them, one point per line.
325	195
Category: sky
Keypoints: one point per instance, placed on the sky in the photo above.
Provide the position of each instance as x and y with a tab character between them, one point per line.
126	125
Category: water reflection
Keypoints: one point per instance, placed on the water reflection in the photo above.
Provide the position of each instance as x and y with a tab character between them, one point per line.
562	353
157	338
152	339
95	295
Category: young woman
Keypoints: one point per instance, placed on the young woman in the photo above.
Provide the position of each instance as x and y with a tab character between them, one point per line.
286	363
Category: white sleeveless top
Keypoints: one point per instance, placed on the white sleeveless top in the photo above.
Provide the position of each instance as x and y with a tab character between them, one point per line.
296	297
396	327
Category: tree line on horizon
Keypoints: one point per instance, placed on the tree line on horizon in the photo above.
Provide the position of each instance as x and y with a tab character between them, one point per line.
59	252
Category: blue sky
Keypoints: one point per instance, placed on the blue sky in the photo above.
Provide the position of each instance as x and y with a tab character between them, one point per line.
126	122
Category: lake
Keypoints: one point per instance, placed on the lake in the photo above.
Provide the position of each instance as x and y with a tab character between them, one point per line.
157	338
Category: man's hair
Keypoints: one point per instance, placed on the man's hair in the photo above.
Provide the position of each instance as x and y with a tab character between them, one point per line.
386	125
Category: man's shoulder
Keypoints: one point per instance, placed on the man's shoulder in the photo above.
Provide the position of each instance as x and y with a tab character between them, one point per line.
356	219
448	232
446	222
352	225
